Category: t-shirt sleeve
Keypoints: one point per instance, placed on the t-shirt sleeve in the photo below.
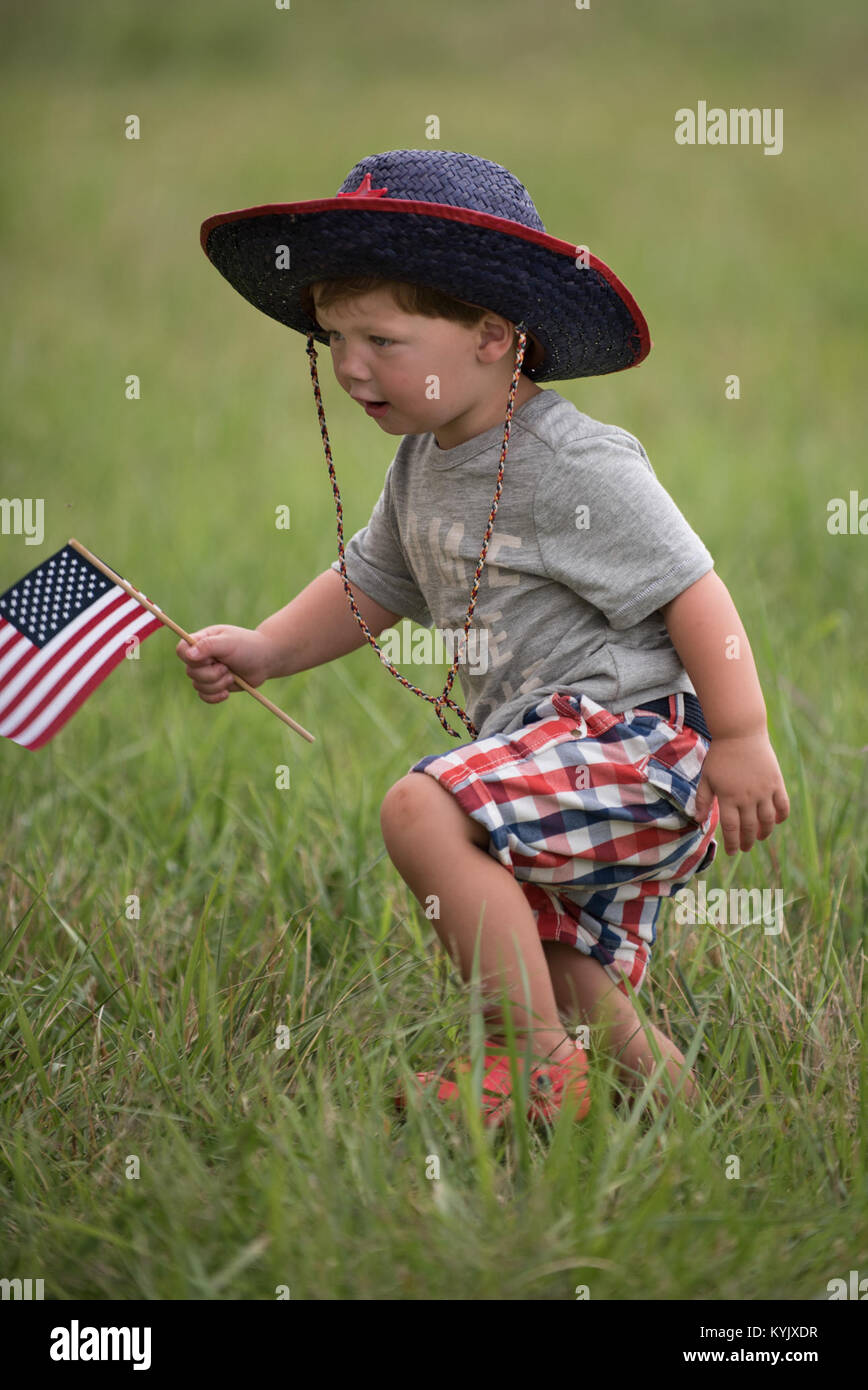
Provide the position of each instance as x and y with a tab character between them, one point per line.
608	530
376	562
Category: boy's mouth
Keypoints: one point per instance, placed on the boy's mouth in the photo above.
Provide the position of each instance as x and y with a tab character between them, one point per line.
375	408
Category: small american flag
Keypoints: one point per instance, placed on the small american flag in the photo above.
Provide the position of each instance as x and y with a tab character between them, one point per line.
63	628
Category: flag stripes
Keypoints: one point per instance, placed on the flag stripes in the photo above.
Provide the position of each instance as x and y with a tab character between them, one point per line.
42	686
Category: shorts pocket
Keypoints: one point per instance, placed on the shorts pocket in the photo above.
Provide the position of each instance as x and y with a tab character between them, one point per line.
678	781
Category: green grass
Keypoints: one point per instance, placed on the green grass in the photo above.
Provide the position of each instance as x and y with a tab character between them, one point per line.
153	1038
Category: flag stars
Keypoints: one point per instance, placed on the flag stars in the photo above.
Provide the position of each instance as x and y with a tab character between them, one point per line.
53	595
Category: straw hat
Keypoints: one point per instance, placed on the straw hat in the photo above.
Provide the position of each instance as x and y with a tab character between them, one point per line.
458	223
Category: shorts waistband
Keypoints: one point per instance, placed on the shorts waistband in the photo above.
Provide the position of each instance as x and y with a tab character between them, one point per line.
681	708
693	715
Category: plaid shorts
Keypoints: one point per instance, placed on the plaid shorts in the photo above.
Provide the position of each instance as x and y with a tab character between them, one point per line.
593	814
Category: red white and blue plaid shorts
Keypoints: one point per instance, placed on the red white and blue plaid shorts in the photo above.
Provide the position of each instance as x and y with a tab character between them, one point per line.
593	814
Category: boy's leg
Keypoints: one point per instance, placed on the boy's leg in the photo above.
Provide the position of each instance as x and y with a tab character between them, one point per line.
438	849
584	990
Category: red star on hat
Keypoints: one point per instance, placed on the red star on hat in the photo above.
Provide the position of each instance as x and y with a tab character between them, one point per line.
365	190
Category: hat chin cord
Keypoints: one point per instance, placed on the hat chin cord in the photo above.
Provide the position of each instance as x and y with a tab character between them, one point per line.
444	698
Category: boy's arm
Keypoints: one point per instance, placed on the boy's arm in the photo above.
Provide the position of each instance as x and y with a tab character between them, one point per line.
319	625
740	768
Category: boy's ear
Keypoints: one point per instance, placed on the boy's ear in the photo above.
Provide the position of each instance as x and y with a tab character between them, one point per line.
497	333
533	353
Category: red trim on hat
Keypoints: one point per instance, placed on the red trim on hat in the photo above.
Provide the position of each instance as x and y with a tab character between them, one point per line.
372	202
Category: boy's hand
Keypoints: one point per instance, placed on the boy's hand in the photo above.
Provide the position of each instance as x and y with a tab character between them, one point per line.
743	773
220	649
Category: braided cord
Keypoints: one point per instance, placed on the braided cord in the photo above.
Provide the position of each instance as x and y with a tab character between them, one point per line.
444	698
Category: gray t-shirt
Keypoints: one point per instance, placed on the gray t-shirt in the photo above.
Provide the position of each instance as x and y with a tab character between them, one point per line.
586	547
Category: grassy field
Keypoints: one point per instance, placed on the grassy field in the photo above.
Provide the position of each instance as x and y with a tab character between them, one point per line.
154	1143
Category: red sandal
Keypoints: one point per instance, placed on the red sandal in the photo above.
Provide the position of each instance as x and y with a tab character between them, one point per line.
553	1085
558	1086
496	1087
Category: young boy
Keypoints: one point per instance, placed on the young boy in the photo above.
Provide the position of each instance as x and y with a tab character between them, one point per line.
591	776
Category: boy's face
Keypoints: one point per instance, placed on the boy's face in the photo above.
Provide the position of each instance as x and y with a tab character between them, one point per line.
429	375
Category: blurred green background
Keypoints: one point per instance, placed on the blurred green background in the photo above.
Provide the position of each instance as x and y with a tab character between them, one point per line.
742	263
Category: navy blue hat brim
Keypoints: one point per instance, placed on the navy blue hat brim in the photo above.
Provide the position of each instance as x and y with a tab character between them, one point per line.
585	320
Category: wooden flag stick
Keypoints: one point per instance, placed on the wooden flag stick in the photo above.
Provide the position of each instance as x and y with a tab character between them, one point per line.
158	613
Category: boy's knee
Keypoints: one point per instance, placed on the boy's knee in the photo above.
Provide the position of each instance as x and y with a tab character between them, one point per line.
413	804
404	804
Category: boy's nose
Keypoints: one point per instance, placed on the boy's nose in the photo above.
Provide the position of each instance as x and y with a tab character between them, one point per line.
356	383
351	369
